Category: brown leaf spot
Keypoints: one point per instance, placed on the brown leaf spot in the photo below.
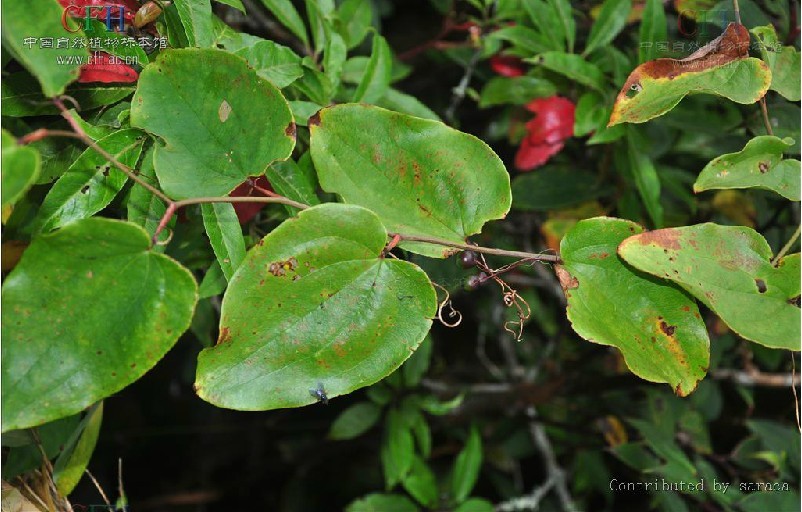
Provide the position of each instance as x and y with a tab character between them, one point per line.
567	281
763	167
225	336
289	131
794	301
224	111
315	119
668	330
761	285
84	189
665	238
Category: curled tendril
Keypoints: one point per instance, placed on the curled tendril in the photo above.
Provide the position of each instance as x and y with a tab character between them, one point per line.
70	99
510	296
166	240
452	313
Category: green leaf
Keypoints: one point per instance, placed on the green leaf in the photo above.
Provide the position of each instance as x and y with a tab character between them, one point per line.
420	176
779	498
466	467
293	181
318	13
784	62
611	20
653	30
376	80
422	433
91	182
284	11
475	505
646	180
225	234
657	86
21	98
759	164
353	21
31	21
330	311
315	85
25	455
421	483
525	40
398	101
196	16
546	20
20	169
144	208
134	304
728	269
382	503
355	421
656	326
236	4
334	57
566	20
303	110
70	466
591	114
516	91
572	66
213	283
555	187
277	64
398	449
211	110
415	367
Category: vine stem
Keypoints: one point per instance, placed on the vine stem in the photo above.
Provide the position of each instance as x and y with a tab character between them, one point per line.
786	248
532	256
737	11
766	121
173	205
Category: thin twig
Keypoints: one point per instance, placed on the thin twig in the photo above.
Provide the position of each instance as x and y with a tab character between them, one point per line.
737	11
786	248
546	258
461	89
766	121
793	389
98	487
756	378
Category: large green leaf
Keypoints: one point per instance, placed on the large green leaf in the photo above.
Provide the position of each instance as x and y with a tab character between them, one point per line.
91	182
759	164
88	310
656	326
315	303
277	64
419	176
728	269
30	22
20	168
220	121
720	68
784	62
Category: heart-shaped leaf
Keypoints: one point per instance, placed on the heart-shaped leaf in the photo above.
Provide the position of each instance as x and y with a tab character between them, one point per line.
759	164
315	304
728	269
722	67
220	121
655	325
419	176
88	310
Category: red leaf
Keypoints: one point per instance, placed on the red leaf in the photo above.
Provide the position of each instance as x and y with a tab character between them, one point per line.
101	69
78	8
546	133
247	211
507	66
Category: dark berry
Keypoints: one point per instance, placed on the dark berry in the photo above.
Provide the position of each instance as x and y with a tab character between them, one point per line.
468	259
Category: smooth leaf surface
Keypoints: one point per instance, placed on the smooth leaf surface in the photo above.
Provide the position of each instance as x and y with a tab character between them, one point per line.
784	62
419	176
220	121
312	303
88	310
277	64
20	169
572	66
91	182
355	421
759	164
31	21
646	180
144	208
421	483
720	68
612	18
398	449
728	269
467	466
517	91
70	466
286	13
653	30
196	16
378	73
656	326
225	235
382	503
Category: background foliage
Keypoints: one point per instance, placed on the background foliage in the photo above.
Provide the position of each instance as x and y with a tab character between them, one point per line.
268	208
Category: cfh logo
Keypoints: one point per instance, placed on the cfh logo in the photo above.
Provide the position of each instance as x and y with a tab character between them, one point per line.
113	14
